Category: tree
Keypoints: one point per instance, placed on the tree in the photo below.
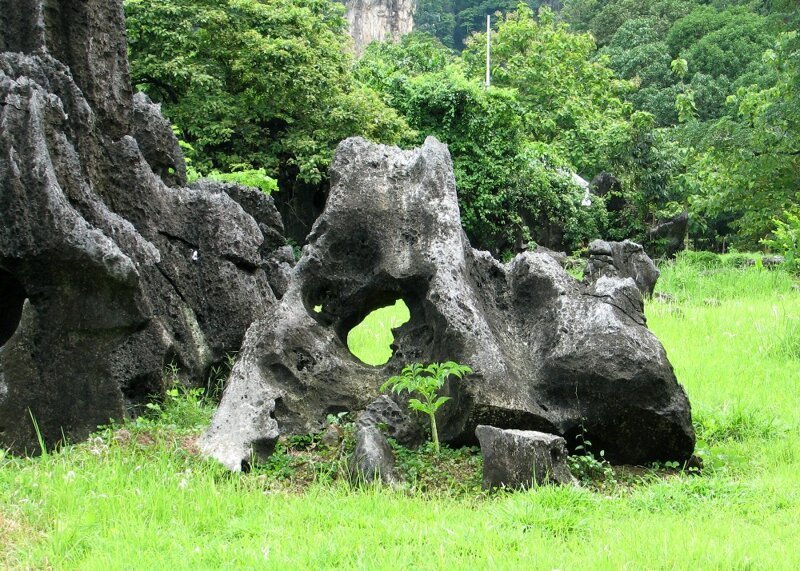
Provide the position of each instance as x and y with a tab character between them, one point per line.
512	189
241	77
748	164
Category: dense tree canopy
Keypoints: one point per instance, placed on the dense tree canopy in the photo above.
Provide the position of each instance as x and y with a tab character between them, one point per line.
691	104
255	83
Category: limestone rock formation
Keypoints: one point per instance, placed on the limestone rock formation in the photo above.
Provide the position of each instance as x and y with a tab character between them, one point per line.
549	353
621	259
109	270
379	20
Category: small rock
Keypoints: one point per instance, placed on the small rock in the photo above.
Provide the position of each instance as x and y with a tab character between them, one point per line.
520	459
621	259
373	458
332	436
772	261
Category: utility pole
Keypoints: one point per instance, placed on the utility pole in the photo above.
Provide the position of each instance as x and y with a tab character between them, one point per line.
488	50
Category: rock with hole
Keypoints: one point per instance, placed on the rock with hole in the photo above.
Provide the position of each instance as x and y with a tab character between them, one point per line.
549	353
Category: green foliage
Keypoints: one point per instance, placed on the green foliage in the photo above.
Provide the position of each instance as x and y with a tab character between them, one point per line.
550	111
785	238
568	101
255	84
256	178
426	381
747	166
183	408
448	471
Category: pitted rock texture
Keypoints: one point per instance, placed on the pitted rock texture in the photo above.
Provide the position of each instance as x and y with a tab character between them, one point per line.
624	260
398	421
379	20
107	273
549	353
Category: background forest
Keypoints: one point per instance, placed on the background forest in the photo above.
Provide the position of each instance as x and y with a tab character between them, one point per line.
692	105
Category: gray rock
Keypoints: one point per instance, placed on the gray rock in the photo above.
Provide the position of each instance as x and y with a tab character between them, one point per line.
111	274
772	261
332	436
667	238
372	458
399	423
378	20
621	259
157	142
519	459
560	257
549	353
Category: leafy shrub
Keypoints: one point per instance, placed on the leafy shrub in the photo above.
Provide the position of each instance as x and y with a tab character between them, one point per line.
786	239
426	381
256	178
587	467
705	260
183	408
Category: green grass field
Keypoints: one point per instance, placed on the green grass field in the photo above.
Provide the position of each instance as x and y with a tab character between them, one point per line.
138	497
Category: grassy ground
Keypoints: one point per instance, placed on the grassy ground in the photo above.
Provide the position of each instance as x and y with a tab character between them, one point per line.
139	497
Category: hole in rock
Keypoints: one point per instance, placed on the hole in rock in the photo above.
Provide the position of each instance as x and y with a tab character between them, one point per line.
370	341
12	298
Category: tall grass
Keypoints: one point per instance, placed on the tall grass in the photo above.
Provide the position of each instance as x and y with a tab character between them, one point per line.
139	497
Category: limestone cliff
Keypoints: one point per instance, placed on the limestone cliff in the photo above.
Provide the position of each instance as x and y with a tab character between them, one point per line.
371	20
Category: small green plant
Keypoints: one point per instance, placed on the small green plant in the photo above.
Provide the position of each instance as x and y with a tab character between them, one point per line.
587	467
426	381
184	408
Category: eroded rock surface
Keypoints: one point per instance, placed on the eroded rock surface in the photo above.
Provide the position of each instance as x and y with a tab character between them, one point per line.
623	260
549	353
519	459
109	269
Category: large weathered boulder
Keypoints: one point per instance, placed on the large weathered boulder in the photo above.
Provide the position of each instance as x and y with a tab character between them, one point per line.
519	459
550	354
111	273
624	260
